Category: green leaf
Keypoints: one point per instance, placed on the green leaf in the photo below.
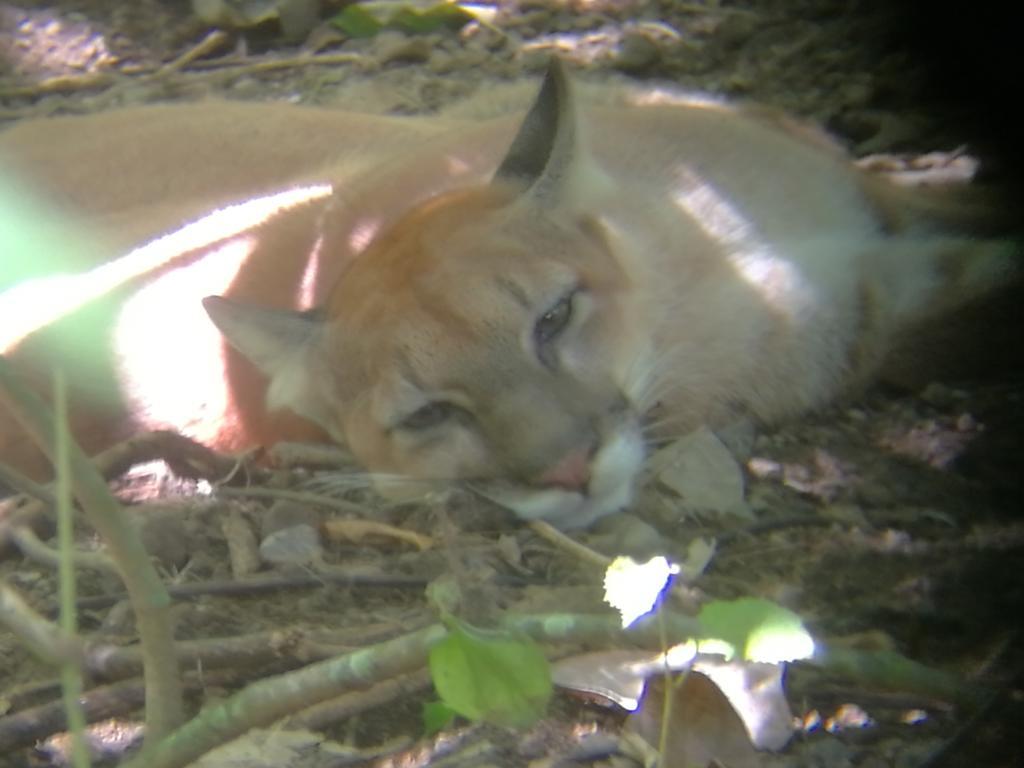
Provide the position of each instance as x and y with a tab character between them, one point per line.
755	630
356	21
889	669
491	676
436	716
442	16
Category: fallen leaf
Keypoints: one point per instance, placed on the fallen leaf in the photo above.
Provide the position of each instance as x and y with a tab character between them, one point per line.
702	727
756	693
357	530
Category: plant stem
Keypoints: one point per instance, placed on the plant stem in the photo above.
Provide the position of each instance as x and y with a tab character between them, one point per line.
149	597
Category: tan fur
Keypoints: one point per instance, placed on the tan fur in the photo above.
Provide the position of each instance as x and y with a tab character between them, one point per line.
715	263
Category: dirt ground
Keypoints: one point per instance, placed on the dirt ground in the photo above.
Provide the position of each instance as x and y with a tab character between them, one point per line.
894	517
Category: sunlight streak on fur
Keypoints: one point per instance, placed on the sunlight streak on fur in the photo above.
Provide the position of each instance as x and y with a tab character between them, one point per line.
362	234
778	282
34	304
157	382
657	97
311	275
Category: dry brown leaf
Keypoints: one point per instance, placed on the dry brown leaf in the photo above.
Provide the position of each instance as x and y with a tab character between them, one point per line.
702	726
357	530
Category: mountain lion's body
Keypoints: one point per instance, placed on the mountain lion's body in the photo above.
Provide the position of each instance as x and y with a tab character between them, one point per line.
512	331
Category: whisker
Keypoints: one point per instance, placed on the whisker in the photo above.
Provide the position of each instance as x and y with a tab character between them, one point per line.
664	429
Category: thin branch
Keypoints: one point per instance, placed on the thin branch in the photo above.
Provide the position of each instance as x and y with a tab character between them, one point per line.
330	502
25	539
551	534
197	69
271	582
41	636
16	481
164	704
272	698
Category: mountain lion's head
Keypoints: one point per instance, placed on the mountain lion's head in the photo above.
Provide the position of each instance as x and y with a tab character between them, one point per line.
486	337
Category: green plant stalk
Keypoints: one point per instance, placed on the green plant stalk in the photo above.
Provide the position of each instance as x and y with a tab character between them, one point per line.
892	671
149	597
271	699
668	689
70	672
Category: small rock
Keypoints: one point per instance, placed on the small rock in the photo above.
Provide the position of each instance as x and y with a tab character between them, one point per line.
700	469
285	514
298	545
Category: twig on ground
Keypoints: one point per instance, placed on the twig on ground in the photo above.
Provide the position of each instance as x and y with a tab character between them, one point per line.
187	63
25	539
16	481
254	585
214	40
293	646
60	84
184	456
164	703
17	512
272	698
551	534
331	502
255	65
347	705
41	636
30	726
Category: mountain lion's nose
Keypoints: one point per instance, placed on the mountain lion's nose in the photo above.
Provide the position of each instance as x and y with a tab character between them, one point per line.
572	473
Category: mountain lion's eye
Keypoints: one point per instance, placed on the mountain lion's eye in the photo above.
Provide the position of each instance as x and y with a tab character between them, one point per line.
430	415
553	322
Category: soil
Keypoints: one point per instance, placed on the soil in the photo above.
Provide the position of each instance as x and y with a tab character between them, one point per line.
891	521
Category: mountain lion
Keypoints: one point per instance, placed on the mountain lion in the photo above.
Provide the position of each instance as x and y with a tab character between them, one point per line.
506	302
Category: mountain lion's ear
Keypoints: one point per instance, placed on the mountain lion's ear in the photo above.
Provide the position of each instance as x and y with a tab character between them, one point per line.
282	344
542	153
